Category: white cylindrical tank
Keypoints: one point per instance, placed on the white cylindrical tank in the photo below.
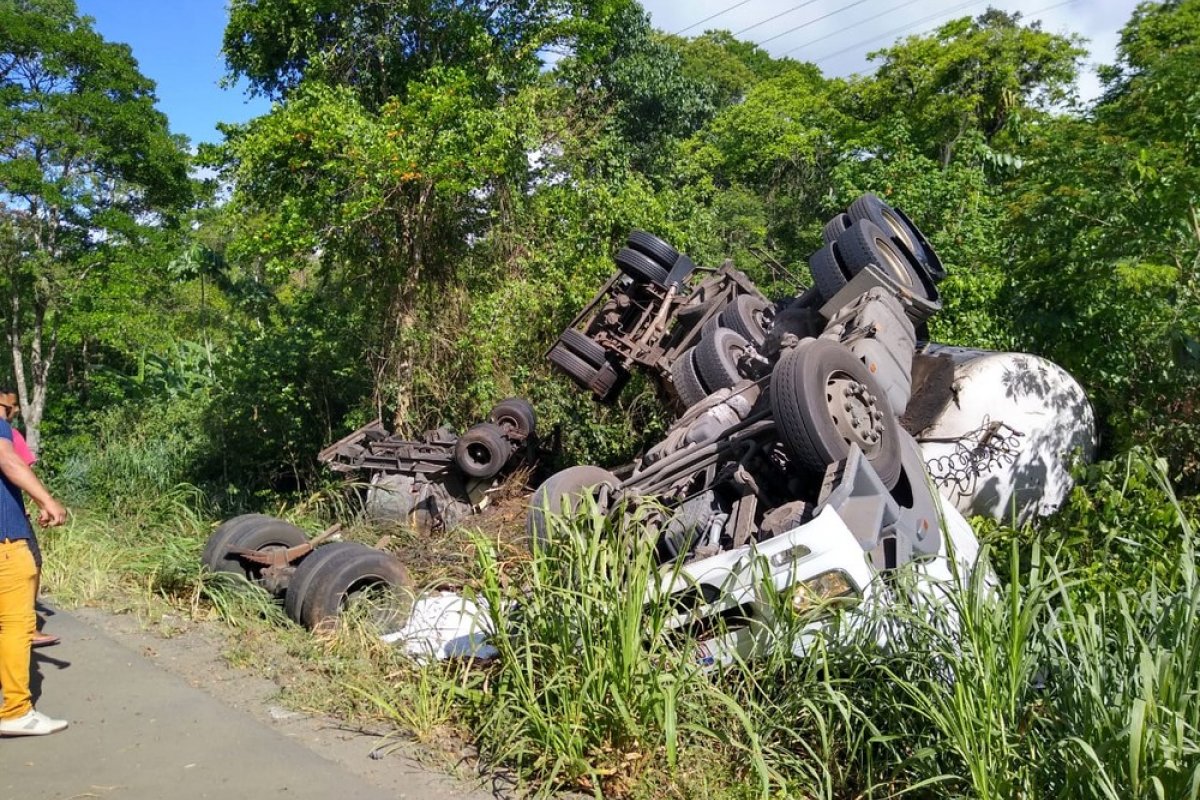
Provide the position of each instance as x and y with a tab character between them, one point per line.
1003	443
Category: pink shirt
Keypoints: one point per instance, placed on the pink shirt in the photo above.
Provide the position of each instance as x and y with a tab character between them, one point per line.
22	449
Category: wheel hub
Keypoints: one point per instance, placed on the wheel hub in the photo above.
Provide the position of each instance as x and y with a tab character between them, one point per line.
893	263
855	413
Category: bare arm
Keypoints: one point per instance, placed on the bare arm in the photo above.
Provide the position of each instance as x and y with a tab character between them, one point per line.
15	469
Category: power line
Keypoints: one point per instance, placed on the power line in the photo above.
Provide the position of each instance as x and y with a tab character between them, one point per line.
925	19
714	16
777	16
840	31
901	29
812	21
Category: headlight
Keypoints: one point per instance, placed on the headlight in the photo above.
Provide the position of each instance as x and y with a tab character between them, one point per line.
831	588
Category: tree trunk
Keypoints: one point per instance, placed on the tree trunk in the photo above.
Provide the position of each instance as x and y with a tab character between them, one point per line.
31	383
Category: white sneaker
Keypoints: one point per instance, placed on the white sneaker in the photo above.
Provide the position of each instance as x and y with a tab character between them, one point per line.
35	723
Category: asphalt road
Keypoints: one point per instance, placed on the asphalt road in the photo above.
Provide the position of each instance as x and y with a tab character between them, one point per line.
139	732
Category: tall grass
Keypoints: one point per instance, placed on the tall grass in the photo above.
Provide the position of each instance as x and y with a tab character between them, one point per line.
587	687
1079	676
151	550
1054	684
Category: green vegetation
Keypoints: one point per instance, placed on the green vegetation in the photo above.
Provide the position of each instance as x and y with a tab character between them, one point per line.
1076	677
417	217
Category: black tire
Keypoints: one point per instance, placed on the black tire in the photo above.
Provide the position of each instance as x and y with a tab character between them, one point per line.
808	387
578	369
560	494
827	272
293	600
833	229
656	248
482	451
609	382
583	346
272	535
514	416
339	578
712	326
640	267
686	379
215	549
749	315
925	252
871	208
717	358
865	243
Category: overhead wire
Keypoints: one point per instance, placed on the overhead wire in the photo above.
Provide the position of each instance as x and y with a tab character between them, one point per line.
775	17
846	28
722	12
812	22
923	20
901	29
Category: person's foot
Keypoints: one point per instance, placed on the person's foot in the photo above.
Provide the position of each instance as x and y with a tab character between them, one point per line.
35	723
44	639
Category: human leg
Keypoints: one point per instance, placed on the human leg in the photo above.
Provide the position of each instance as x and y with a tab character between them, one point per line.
40	639
18	576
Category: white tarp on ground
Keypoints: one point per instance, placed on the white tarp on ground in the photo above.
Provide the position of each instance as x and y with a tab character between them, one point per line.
445	625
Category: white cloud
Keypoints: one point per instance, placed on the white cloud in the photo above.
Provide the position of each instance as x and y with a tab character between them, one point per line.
818	30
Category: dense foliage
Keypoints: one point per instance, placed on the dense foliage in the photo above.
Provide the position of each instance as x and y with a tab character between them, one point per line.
428	203
437	190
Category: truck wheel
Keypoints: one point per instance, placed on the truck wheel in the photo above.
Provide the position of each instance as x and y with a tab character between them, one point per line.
215	549
717	358
865	243
579	370
824	399
514	415
609	381
871	208
833	229
365	574
262	533
293	599
273	535
560	494
583	346
482	451
686	379
656	248
924	252
640	267
710	327
749	315
827	271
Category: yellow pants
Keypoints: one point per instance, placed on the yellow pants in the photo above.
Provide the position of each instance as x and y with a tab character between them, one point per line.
18	581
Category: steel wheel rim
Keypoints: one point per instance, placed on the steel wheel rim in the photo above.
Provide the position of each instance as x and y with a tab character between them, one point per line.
854	412
899	229
895	263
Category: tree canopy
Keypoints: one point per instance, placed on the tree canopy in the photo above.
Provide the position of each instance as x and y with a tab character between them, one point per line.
87	168
440	186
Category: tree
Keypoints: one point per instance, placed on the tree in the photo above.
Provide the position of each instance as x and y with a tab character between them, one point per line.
1106	233
87	166
971	77
379	47
780	143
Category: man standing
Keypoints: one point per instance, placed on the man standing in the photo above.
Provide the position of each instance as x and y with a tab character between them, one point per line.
18	585
10	408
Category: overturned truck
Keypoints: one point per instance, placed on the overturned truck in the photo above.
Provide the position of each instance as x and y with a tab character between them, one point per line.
818	434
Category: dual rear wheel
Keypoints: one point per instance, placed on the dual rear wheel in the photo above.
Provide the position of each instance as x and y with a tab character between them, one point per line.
327	581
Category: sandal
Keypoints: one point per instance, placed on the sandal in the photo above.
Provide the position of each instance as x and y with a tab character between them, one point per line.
44	639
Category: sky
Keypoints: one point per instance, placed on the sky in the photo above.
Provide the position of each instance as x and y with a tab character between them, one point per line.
178	42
